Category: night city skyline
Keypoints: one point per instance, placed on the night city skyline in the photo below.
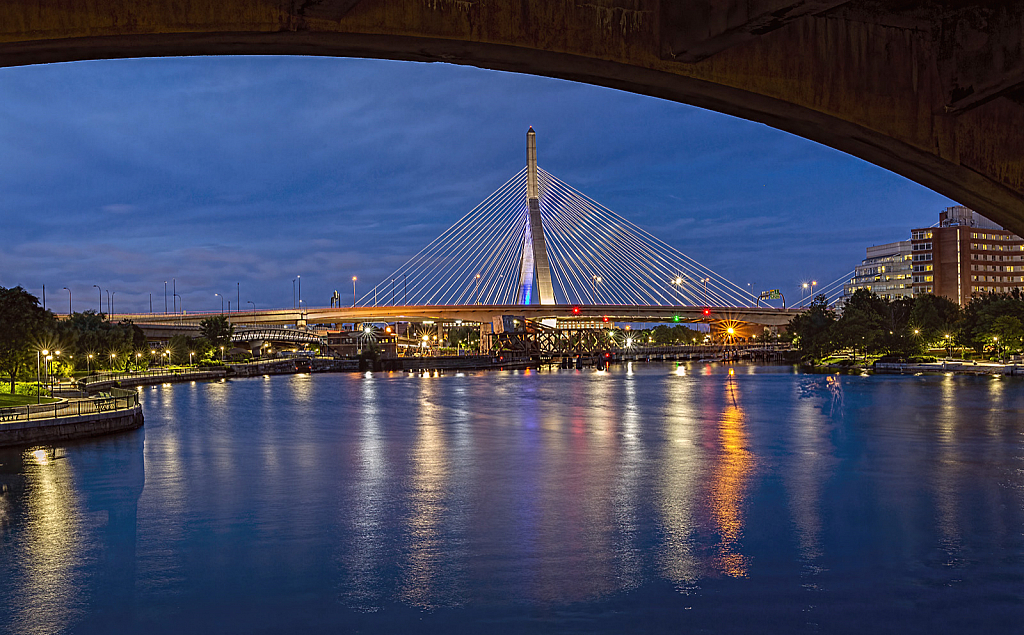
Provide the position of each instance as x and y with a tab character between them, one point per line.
217	171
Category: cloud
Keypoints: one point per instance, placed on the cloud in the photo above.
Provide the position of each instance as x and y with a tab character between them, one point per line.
119	208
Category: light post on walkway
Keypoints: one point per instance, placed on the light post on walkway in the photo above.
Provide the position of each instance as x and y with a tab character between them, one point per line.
44	353
353	290
253	311
101	296
69	301
221	302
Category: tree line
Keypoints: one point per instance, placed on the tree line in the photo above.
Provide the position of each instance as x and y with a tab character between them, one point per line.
88	341
992	324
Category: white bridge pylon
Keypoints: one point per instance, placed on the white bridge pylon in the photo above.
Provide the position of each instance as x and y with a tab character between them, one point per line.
569	250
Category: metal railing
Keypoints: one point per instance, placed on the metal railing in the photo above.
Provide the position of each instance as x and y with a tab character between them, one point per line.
116	399
170	373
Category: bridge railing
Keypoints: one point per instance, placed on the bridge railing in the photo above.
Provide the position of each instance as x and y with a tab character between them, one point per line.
177	373
114	400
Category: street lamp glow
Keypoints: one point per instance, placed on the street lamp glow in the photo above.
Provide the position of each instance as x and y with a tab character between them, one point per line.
730	330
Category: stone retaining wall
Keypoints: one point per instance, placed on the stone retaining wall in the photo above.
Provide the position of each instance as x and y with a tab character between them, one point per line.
64	428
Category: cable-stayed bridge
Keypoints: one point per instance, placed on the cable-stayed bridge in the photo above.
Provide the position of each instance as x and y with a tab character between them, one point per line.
540	249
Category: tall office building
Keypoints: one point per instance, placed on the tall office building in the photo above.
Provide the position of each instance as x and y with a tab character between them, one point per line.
966	254
962	255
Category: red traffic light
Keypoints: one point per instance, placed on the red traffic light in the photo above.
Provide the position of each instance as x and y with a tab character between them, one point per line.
575	310
605	318
707	311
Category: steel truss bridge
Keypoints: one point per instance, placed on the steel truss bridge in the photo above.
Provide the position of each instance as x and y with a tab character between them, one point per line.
539	249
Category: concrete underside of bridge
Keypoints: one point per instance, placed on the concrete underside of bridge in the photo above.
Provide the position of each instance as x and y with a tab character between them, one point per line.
930	90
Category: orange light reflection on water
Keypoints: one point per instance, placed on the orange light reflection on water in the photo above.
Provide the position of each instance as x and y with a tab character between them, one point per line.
728	486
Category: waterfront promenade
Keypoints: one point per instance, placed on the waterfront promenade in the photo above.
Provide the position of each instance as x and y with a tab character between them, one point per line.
114	411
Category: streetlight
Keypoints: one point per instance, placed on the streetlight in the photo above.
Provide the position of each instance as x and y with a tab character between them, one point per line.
353	290
477	288
221	302
804	296
222	354
112	294
165	297
253	311
101	296
44	352
112	357
46	367
88	364
69	301
190	354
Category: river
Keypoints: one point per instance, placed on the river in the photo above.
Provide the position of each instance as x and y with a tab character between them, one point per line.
649	498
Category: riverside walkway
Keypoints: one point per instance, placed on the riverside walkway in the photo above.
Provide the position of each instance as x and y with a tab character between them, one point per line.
114	411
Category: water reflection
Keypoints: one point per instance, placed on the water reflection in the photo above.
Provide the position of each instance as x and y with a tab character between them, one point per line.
71	526
558	501
431	576
728	484
681	465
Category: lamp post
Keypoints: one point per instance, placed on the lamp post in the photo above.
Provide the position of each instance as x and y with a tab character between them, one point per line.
69	301
804	295
101	296
299	279
44	353
253	311
477	301
190	354
165	297
221	302
138	360
112	294
113	356
353	290
221	354
88	364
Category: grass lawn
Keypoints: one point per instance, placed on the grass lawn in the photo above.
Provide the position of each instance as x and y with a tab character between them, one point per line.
7	400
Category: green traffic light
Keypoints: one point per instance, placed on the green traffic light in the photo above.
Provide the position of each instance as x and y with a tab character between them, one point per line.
676	318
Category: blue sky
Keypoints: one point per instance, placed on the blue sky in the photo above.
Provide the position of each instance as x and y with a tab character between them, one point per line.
217	171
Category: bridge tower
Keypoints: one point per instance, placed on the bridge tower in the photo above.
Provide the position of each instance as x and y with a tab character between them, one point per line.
534	271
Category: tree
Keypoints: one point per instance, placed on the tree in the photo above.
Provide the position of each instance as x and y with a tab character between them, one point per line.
936	319
1010	331
813	329
217	331
24	327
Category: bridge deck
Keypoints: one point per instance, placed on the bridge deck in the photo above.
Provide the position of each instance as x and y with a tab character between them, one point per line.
483	313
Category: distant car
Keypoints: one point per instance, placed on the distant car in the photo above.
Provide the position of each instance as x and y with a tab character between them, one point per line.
303	366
